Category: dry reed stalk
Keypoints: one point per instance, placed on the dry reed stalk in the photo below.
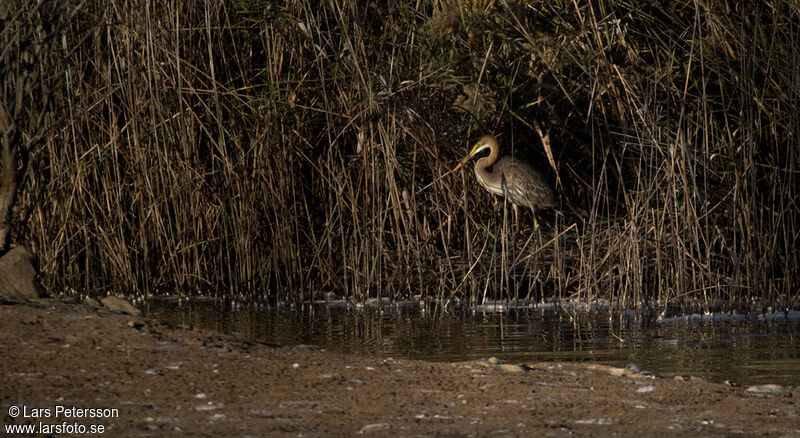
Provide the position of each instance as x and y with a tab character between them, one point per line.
287	150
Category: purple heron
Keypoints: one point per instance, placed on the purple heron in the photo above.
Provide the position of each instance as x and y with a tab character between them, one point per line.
510	177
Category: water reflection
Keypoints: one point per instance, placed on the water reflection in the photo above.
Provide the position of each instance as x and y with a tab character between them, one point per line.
746	352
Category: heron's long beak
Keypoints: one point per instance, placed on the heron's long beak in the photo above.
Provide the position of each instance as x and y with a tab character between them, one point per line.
470	155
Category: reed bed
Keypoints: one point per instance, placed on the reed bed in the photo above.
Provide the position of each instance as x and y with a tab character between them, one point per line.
293	150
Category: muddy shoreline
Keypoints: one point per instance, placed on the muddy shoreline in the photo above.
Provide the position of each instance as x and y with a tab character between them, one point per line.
178	380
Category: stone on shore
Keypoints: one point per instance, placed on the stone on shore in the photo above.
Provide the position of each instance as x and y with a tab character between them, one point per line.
18	277
118	304
769	390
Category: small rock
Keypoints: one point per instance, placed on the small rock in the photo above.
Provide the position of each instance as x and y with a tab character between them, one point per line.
261	412
135	324
509	368
633	367
27	319
596	421
648	388
75	317
374	428
770	389
118	304
610	370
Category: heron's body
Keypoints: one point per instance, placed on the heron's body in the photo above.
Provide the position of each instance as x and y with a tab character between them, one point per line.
510	177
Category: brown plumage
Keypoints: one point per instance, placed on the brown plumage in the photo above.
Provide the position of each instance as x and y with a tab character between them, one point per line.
509	176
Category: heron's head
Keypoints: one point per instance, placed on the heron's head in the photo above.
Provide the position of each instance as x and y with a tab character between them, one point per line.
486	142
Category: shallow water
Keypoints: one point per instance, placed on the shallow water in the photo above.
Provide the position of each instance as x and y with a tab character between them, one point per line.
747	352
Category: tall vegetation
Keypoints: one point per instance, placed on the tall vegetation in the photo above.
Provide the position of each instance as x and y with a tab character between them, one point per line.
284	150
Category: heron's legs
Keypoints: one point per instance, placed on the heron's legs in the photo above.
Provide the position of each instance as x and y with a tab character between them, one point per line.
533	215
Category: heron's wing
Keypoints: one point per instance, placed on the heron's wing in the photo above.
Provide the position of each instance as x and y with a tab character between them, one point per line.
524	184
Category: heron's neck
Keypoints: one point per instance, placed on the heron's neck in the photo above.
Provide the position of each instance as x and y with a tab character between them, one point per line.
489	160
482	166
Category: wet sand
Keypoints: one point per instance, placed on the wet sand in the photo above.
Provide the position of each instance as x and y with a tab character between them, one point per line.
156	379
